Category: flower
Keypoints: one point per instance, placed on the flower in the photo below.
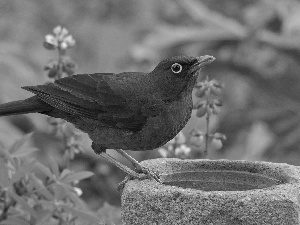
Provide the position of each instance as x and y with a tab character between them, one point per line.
175	147
61	39
49	38
163	152
182	150
78	191
197	138
57	30
70	41
180	138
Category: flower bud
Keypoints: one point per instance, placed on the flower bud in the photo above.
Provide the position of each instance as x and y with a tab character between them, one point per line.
216	143
215	87
53	72
69	67
64	32
197	138
57	30
180	138
215	106
63	45
182	150
50	42
163	152
50	65
200	104
69	40
201	90
201	112
220	136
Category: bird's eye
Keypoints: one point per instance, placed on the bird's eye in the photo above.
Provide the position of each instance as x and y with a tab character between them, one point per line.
176	68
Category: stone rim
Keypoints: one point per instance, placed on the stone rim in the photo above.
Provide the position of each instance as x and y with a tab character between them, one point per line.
270	172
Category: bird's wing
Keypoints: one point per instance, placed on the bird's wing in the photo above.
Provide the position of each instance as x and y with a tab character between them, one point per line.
90	96
91	87
65	101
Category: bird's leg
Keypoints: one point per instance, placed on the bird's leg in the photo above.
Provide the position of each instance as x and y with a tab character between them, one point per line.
101	151
138	167
140	173
126	169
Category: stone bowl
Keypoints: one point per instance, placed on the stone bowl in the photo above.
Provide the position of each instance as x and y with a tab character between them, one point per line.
214	192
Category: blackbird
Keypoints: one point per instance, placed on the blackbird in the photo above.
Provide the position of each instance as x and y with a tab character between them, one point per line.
126	111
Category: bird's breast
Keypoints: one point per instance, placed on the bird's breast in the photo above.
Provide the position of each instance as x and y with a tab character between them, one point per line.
179	113
162	128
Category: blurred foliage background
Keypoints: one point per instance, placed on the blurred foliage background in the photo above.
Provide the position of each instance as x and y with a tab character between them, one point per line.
256	43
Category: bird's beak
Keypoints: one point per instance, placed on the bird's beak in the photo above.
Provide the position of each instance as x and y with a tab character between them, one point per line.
201	62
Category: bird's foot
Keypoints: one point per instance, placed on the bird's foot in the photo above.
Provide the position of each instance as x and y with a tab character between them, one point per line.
142	174
147	173
141	170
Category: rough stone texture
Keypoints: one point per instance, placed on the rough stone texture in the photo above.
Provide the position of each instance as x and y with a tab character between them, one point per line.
224	192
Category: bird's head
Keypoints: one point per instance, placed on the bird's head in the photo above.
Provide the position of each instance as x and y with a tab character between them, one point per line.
183	66
179	72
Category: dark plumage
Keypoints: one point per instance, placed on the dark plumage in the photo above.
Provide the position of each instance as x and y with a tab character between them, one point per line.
130	110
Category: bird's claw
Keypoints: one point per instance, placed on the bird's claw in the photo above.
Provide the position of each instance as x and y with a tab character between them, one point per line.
147	173
143	173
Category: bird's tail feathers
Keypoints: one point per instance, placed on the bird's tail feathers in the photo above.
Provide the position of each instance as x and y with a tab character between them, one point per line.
29	105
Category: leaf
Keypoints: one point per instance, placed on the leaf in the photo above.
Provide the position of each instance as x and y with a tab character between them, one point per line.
23	203
39	186
77	176
45	170
54	166
83	215
24	169
64	173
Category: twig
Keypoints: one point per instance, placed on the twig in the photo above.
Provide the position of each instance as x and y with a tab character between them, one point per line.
201	13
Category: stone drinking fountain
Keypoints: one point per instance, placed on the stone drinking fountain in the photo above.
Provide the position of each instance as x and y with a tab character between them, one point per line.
214	192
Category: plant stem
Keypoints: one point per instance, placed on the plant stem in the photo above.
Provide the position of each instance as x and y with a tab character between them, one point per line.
205	153
208	113
59	63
